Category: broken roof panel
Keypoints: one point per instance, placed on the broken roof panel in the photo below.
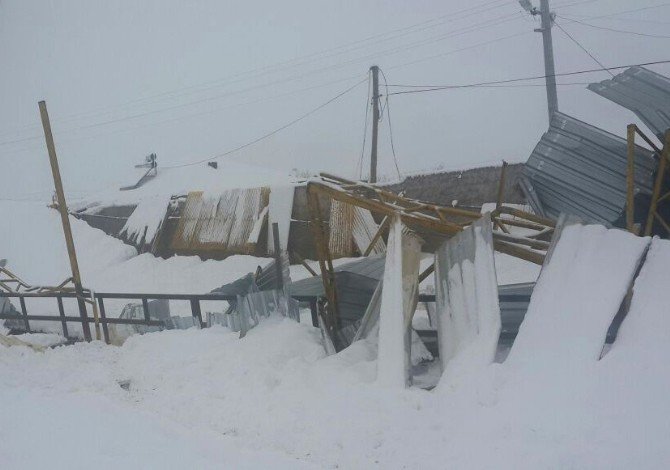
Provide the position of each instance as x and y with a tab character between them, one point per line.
580	169
642	91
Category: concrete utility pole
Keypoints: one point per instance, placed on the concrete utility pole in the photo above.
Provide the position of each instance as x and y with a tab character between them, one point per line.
67	230
549	70
547	18
375	123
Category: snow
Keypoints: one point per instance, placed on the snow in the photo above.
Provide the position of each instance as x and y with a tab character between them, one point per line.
398	299
467	310
281	210
146	219
578	294
207	399
181	181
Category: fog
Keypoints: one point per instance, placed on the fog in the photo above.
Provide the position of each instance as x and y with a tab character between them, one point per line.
190	80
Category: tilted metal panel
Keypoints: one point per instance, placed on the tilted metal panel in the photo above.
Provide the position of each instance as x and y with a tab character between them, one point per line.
580	169
642	91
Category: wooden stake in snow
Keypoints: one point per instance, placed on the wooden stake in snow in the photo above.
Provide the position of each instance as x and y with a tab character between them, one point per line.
67	230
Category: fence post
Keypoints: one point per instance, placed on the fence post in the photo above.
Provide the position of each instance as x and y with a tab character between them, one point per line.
195	311
61	312
22	301
103	317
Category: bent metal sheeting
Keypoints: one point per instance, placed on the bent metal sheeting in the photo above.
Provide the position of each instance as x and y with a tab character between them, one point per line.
580	169
642	91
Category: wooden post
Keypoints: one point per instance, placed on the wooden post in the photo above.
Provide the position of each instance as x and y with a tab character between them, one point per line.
380	231
277	253
501	185
375	123
660	174
67	230
501	195
325	260
630	180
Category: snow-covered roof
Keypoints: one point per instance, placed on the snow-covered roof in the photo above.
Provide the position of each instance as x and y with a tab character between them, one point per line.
180	181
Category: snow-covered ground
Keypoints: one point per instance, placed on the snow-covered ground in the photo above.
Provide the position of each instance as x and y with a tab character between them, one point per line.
207	399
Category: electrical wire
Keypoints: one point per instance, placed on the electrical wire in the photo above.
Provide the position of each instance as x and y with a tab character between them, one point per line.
427	88
428	41
388	114
365	131
634	10
614	30
269	134
301	61
583	48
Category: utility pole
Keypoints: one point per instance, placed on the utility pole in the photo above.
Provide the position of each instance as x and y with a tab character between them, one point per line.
375	123
547	19
67	230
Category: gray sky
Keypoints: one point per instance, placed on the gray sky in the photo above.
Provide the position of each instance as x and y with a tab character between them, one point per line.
189	79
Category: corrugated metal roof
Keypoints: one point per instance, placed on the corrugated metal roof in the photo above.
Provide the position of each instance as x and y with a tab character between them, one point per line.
642	91
580	169
370	267
224	223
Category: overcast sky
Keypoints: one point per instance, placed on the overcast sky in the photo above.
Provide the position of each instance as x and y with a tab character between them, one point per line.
191	79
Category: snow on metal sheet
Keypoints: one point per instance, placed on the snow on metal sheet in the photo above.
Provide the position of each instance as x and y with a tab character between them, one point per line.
468	313
642	91
222	223
145	221
281	209
578	294
398	302
579	169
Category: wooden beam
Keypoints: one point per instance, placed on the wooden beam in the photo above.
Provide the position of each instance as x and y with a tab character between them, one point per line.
302	261
380	231
65	220
658	184
325	261
630	179
427	272
518	252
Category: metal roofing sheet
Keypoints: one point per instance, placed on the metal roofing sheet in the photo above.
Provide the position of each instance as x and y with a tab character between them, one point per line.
370	267
580	169
642	91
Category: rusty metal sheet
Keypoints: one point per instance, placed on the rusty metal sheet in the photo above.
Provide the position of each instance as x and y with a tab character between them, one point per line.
220	223
340	241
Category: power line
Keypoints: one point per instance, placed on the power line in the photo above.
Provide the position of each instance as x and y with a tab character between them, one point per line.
427	88
304	60
269	134
388	115
365	130
469	29
605	28
583	48
634	10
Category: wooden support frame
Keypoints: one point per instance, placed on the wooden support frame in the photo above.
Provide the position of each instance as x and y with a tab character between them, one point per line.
658	184
331	313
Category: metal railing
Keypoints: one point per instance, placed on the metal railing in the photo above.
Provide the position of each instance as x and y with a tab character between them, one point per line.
103	320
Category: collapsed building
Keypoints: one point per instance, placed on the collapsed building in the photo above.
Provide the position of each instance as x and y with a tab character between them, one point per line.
576	175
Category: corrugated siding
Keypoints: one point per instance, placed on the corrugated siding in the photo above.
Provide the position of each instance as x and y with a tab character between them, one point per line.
222	223
340	242
364	229
642	91
579	169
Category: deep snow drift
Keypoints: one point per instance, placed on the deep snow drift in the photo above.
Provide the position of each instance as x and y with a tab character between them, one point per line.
207	399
